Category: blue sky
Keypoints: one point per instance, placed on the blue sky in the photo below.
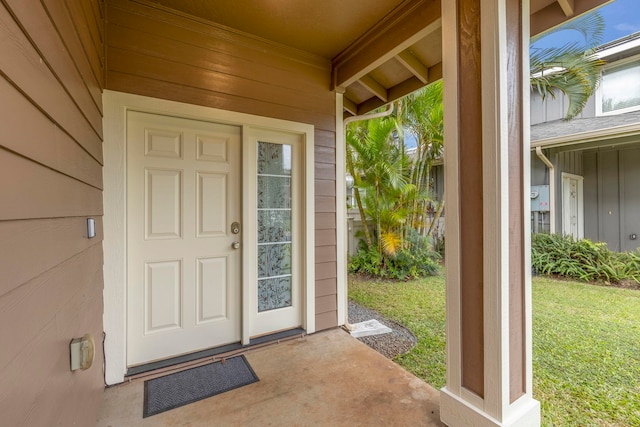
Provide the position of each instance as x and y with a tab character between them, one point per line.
621	17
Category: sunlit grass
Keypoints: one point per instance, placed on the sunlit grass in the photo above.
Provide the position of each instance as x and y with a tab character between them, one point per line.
586	341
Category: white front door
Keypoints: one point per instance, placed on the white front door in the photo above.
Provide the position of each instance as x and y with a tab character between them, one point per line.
572	205
184	267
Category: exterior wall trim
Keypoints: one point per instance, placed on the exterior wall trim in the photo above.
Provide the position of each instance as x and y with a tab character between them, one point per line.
116	105
341	214
465	414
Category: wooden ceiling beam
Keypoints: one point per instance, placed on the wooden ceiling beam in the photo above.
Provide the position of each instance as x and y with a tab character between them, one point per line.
567	7
401	89
554	14
405	26
374	87
350	106
414	65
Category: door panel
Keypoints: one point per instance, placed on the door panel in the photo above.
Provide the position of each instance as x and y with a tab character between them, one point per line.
212	274
163	204
162	290
212	218
572	205
184	275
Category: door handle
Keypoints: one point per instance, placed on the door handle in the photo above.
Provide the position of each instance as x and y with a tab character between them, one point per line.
235	245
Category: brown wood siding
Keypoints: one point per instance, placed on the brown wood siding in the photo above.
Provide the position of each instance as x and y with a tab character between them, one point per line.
326	254
470	190
51	79
167	55
156	53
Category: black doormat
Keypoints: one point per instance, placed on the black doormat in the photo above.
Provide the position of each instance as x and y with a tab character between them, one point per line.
182	388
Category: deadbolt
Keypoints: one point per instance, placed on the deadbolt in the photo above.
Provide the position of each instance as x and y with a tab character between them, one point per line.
235	227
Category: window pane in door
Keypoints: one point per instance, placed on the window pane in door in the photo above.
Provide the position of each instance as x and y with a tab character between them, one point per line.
274	226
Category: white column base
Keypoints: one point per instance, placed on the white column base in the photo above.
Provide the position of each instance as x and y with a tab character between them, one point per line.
456	412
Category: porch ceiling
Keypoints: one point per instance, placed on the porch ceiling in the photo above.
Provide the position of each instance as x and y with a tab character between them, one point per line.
379	51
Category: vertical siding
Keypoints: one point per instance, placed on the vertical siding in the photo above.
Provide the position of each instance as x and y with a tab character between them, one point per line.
569	162
162	54
612	196
551	109
590	192
609	199
630	198
51	79
539	172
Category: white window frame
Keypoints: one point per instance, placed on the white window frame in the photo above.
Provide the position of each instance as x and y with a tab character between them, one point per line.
599	112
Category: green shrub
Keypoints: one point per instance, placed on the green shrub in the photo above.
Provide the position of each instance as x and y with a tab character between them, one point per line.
366	261
553	254
414	260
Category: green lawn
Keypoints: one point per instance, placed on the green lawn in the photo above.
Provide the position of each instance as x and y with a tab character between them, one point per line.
586	344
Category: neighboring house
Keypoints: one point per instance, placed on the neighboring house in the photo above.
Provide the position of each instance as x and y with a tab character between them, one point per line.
594	159
168	183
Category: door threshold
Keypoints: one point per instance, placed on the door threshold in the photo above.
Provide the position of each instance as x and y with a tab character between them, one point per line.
276	336
190	357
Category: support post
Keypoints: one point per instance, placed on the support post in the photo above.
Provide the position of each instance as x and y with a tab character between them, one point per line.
487	168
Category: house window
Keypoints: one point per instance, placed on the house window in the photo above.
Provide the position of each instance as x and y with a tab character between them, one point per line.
619	90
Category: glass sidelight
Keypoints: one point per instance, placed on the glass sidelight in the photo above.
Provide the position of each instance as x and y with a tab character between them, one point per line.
274	226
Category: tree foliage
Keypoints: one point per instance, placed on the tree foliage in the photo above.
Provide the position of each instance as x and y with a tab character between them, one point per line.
572	69
393	185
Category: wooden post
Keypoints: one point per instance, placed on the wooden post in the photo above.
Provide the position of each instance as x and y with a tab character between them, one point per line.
489	380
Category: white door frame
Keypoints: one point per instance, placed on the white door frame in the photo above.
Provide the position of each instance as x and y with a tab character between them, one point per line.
116	105
565	205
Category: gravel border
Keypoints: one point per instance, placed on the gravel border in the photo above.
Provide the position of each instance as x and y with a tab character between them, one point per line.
396	343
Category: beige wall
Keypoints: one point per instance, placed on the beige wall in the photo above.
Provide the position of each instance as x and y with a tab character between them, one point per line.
166	55
51	79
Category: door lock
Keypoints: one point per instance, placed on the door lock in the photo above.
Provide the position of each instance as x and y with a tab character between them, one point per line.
235	245
235	227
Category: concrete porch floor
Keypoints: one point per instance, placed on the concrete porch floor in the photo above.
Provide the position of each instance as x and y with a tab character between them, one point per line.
325	379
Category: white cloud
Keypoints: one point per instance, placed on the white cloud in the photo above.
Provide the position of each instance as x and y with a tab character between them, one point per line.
627	28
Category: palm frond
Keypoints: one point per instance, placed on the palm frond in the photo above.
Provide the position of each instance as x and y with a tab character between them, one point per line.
391	242
590	25
571	69
574	74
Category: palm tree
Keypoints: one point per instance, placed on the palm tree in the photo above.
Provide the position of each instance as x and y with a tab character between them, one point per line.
396	186
572	69
423	116
378	167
